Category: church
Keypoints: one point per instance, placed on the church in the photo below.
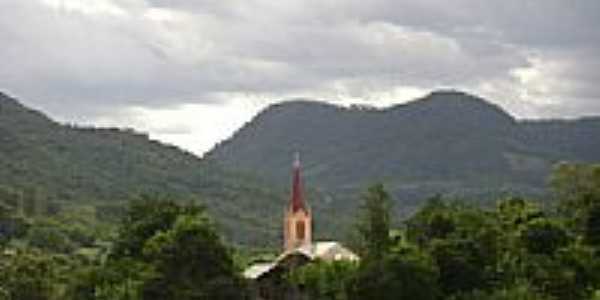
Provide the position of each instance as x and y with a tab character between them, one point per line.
298	246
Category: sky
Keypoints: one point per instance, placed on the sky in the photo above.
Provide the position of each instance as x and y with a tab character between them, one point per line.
190	73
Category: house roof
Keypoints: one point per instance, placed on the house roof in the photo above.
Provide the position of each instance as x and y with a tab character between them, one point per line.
327	251
257	270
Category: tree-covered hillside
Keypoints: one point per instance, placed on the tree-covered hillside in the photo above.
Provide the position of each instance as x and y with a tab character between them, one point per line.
54	165
447	142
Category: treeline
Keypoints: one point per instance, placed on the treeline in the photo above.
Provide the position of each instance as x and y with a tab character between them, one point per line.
448	250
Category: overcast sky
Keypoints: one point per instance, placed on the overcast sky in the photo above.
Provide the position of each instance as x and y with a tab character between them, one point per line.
191	72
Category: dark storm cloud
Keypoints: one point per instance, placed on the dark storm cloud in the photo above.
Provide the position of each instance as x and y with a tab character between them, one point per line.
98	56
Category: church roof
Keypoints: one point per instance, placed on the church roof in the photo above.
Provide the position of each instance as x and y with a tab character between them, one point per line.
328	251
257	270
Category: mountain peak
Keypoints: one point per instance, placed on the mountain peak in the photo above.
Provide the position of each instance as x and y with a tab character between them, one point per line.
302	103
457	104
456	96
450	93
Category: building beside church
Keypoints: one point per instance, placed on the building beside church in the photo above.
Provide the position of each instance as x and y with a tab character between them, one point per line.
298	246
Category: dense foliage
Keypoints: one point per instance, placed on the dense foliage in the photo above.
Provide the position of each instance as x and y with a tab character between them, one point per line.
448	250
162	250
454	251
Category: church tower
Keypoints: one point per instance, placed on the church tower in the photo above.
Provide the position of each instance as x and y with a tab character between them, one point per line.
297	226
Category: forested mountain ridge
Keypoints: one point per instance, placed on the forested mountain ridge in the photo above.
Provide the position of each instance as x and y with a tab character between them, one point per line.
447	142
51	162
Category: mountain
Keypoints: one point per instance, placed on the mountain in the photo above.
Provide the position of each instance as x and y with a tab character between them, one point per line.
447	142
54	163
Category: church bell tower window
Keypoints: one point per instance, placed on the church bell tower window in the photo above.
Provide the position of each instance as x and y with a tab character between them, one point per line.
300	230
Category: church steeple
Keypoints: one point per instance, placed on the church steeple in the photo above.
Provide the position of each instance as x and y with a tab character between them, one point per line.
297	226
297	200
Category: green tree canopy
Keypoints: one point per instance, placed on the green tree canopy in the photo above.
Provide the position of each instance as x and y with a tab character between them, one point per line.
374	223
146	217
396	276
27	275
191	262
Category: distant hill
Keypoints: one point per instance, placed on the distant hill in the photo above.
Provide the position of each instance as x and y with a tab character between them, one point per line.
56	163
448	142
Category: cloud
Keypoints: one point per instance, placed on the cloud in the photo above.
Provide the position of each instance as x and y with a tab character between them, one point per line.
111	61
195	127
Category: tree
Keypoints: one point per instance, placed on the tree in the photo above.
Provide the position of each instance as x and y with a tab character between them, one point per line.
461	265
572	182
434	220
120	279
555	277
577	187
325	280
514	212
374	224
49	238
144	218
396	276
387	272
12	227
166	250
543	236
191	262
27	275
592	226
519	291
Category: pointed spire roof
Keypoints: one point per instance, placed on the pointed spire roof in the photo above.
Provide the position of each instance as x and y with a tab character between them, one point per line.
297	201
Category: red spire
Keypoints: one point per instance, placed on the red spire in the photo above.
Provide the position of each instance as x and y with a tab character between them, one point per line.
297	202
